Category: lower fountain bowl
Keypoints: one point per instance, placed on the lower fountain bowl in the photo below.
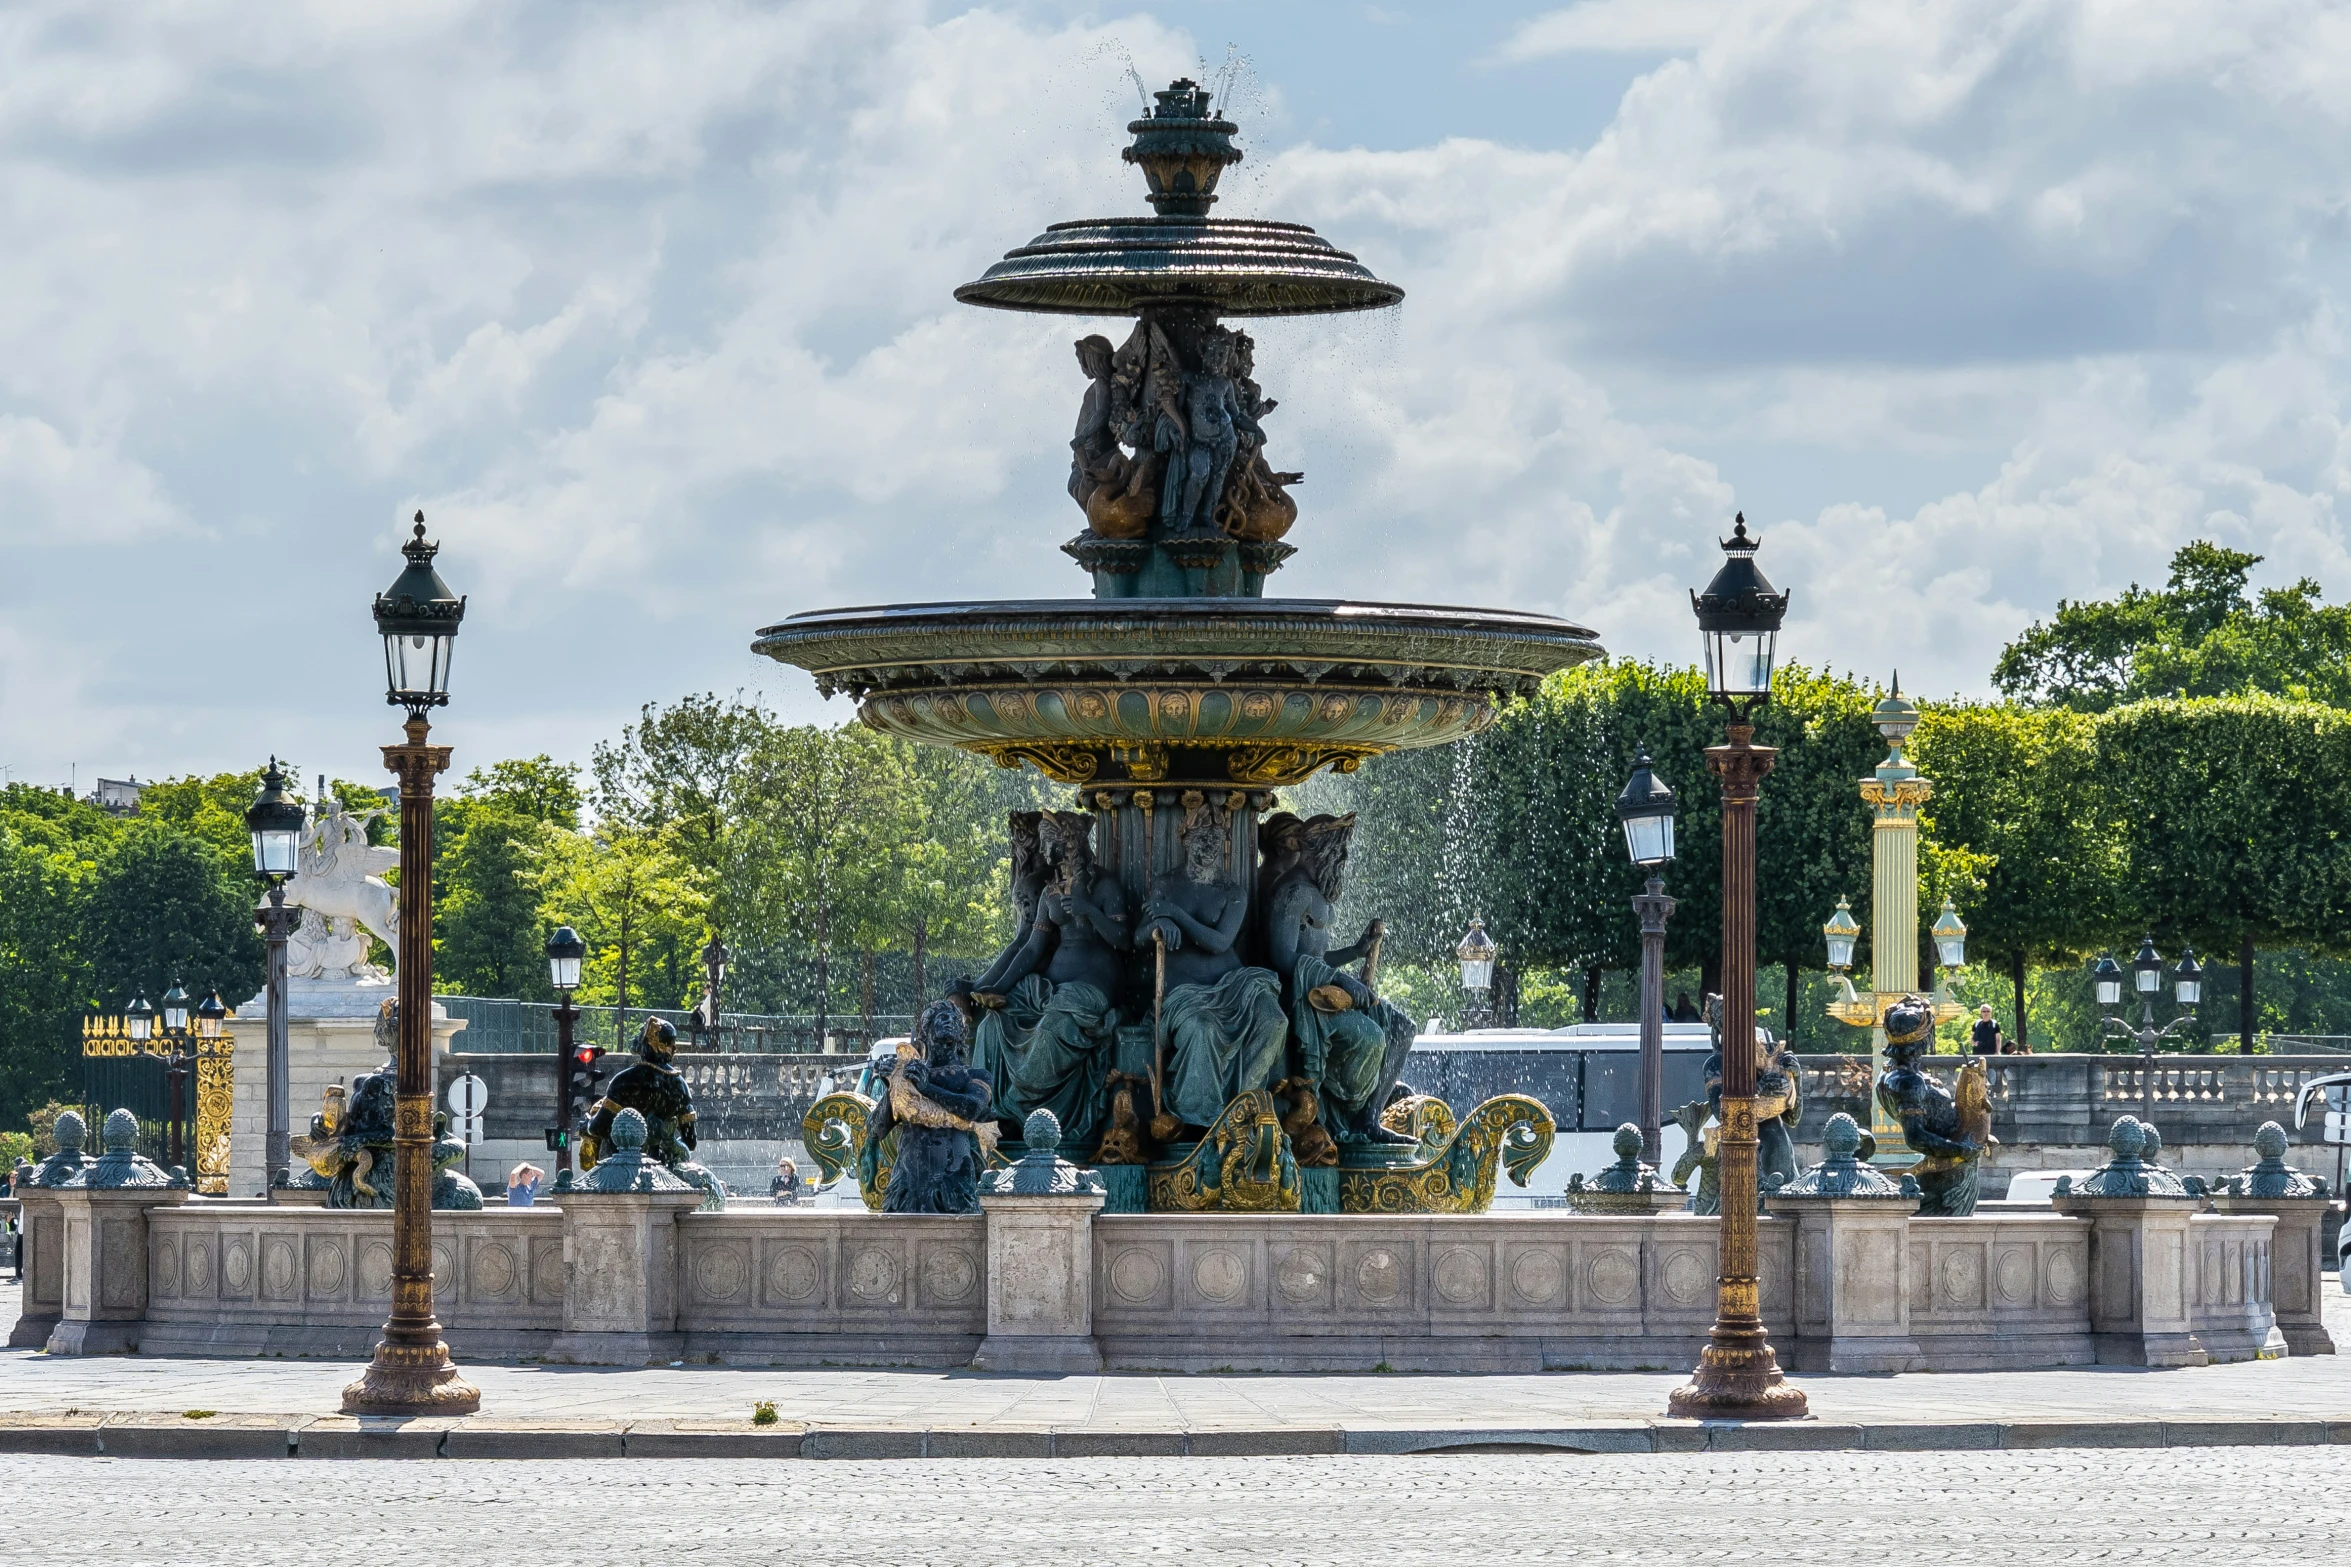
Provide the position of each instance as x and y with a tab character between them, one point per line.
1222	692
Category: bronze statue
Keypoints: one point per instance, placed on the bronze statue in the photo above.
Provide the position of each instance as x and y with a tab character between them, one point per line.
350	1142
1349	1043
1115	491
1950	1131
939	1107
1222	1021
1047	1028
1779	1100
655	1090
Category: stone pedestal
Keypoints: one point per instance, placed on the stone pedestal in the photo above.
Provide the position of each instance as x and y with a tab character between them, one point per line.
1040	1284
42	1234
330	1038
2140	1301
102	1250
2294	1265
620	1255
1853	1284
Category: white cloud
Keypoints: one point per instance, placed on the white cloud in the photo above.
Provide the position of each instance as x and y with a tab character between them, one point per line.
1969	303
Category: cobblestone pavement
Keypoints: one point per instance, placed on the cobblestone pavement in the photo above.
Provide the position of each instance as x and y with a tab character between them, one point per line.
1854	1510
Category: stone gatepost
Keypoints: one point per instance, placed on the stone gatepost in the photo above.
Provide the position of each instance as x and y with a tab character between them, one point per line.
1040	1259
1852	1260
43	1237
620	1251
2140	1215
102	1244
2300	1204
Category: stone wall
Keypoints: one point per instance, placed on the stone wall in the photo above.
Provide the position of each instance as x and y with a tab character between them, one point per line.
632	1279
1491	1292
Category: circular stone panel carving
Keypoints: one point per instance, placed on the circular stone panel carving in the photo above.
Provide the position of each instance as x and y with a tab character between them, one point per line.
1535	1276
1300	1275
1135	1276
721	1272
2012	1276
792	1274
1379	1276
1219	1275
277	1269
493	1270
1684	1278
375	1270
873	1275
950	1275
326	1269
236	1266
1461	1275
199	1267
1613	1277
1962	1275
167	1270
2063	1272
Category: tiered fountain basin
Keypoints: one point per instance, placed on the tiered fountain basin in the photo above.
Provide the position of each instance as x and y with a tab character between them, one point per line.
1222	692
1124	266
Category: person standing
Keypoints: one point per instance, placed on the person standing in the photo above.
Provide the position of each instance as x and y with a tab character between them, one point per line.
1986	1032
522	1185
785	1188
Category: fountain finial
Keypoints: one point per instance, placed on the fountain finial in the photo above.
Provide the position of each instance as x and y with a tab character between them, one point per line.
1184	148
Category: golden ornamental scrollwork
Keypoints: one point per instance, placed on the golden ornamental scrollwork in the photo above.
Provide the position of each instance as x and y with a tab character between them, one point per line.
1902	794
1289	764
1144	763
1243	1165
1508	1132
215	1093
1069	764
1423	1117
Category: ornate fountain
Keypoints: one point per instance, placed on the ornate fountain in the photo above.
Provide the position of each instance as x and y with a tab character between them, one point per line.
1176	996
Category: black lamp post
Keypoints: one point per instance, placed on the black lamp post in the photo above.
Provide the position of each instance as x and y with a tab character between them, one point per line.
565	951
276	825
174	1016
411	1373
1739	615
2147	978
1646	809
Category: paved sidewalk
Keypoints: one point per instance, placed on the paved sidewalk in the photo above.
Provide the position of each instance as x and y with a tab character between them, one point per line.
126	1405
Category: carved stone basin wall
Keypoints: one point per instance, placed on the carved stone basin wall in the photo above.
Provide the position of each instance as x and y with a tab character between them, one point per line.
1218	692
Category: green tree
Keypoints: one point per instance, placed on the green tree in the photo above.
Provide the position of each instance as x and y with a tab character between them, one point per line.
2021	789
2202	634
163	906
491	836
641	906
681	770
44	969
2232	815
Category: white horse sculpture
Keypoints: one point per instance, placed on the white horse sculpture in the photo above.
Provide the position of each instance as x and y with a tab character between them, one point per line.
336	878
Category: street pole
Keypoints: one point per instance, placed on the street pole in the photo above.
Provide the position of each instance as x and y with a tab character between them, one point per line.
1653	909
565	1016
175	1073
411	1373
277	923
1738	1376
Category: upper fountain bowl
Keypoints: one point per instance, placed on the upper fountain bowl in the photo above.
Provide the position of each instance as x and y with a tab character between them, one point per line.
1182	257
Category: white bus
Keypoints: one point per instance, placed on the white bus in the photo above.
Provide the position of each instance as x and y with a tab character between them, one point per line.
1588	1075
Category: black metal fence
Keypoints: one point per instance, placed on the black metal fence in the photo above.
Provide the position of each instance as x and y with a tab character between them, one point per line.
498	1026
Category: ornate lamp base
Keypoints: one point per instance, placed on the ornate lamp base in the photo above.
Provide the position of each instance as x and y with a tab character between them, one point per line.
1738	1378
411	1379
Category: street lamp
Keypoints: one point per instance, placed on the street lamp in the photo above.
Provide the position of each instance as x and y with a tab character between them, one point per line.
175	1011
1950	934
1739	616
1841	931
1476	953
276	824
139	1020
209	1014
2147	975
411	1373
1646	809
564	952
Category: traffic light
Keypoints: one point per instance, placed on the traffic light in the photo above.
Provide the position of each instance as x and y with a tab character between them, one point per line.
581	1089
558	1138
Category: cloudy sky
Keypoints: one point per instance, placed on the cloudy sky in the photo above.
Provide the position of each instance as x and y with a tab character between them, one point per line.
1970	306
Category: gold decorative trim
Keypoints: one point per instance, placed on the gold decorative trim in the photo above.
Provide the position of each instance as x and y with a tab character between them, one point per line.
1069	764
1508	1131
1280	765
1243	1165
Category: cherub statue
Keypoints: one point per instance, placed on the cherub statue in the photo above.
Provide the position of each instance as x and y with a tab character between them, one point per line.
1217	422
1116	492
1949	1130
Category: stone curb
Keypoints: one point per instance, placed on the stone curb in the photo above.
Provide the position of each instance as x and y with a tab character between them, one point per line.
163	1435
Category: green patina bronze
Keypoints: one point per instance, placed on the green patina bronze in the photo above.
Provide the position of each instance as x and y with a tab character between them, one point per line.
1175	997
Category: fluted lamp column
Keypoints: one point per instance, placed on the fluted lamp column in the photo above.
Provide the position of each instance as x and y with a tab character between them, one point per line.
1738	1377
411	1373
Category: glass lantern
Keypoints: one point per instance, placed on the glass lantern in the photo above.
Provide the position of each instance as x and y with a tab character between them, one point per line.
1477	952
1646	809
2147	967
2106	976
175	1010
1842	931
210	1014
417	618
1950	935
2187	981
1739	619
276	825
564	953
139	1020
